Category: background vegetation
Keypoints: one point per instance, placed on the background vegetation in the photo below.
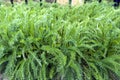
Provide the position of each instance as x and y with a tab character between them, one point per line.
56	42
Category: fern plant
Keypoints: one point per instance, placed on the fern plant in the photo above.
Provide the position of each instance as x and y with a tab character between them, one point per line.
56	42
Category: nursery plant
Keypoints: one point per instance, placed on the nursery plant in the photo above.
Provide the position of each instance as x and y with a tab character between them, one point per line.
55	42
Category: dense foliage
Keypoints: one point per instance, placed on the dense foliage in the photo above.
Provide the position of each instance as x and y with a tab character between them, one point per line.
53	42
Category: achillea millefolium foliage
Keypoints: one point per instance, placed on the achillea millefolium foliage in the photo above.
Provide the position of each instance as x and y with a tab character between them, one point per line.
53	42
